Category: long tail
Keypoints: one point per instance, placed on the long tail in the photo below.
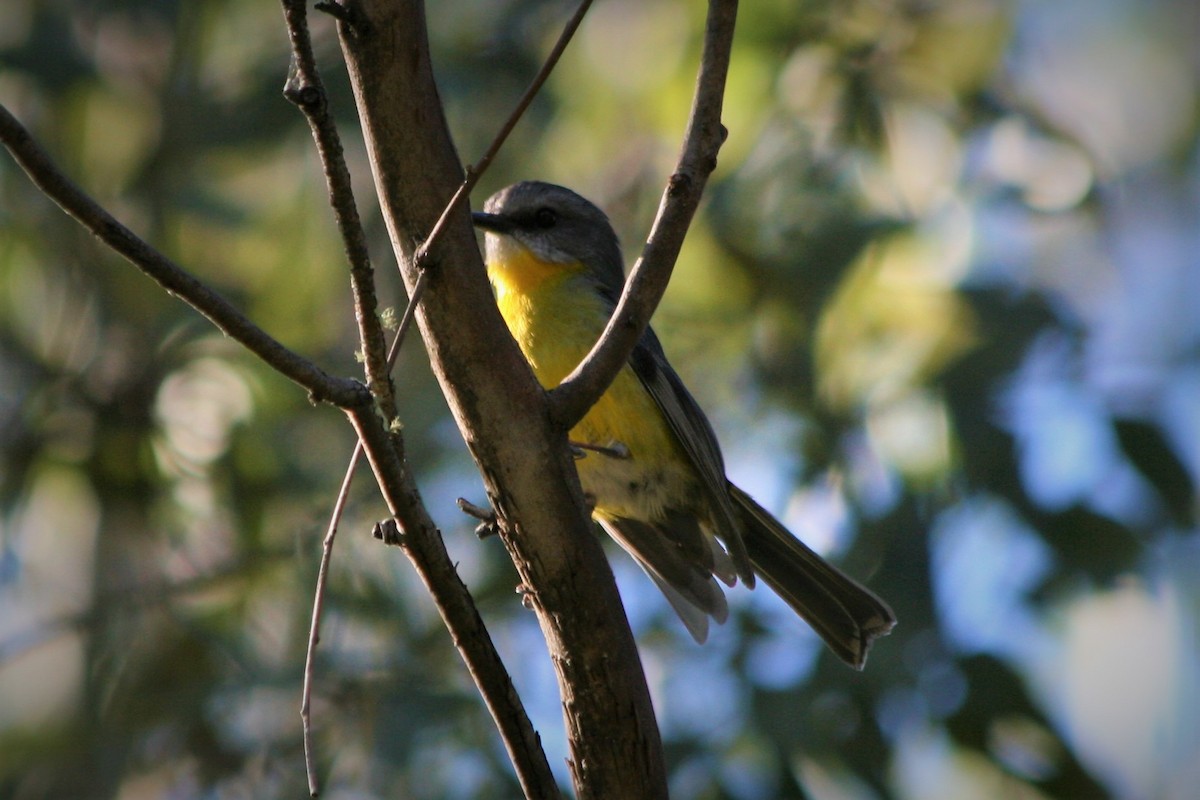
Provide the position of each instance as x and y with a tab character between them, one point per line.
847	615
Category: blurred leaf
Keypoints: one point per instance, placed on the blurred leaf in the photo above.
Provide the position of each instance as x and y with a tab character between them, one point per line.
1089	543
996	697
1153	455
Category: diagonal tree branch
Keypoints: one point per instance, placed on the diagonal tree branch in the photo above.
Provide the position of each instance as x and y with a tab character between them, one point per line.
321	386
648	280
305	88
475	171
422	542
523	458
314	629
526	762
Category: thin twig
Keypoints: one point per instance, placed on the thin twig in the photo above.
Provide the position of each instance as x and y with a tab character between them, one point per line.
615	746
321	386
339	507
305	88
475	171
423	544
318	607
348	14
406	321
426	552
649	277
535	85
487	526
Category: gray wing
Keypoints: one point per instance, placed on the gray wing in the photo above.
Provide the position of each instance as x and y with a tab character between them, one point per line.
695	434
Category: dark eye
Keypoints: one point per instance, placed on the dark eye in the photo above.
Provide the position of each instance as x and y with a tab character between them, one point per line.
545	217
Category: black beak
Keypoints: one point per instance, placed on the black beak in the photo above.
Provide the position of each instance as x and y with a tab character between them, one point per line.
491	222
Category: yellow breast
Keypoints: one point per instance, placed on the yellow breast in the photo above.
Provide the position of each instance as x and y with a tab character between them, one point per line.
556	316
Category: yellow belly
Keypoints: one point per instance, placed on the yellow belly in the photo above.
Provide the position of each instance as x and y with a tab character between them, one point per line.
556	320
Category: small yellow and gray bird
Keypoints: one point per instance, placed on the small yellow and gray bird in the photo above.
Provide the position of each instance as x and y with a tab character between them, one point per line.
649	461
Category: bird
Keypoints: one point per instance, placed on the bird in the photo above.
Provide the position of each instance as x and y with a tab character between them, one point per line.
648	460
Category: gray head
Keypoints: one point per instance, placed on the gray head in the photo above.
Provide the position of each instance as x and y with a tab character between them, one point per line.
557	226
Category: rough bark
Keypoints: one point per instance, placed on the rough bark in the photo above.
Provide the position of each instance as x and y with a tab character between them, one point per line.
501	411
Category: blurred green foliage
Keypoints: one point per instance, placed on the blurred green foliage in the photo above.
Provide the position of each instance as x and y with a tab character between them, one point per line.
939	304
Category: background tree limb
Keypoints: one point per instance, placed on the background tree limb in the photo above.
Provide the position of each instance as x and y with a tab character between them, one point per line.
321	386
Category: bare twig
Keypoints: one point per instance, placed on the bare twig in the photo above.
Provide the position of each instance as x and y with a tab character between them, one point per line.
423	544
406	321
486	516
321	386
314	635
309	96
347	13
648	280
305	88
311	99
535	85
475	171
615	746
341	188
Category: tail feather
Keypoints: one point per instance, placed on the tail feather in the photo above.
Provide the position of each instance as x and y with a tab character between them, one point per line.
847	615
689	586
693	618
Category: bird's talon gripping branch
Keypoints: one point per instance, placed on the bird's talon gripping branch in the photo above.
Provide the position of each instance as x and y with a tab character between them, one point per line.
612	449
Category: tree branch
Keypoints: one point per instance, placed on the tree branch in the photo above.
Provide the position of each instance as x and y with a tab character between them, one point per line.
314	629
529	770
523	458
321	386
423	545
422	542
476	170
534	87
647	282
305	88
